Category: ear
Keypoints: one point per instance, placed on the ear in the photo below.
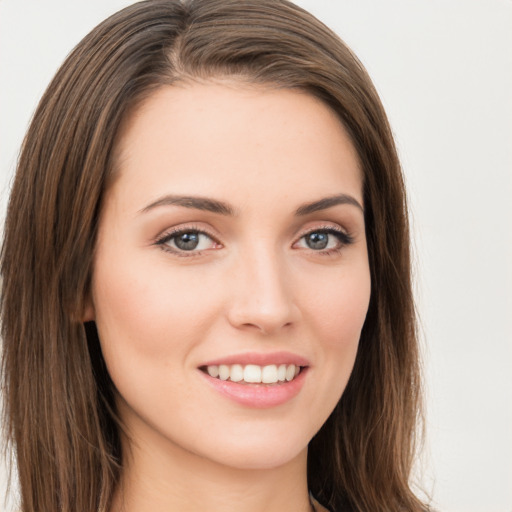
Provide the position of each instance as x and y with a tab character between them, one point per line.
89	314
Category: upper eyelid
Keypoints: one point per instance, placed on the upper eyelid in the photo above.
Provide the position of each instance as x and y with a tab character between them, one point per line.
344	236
174	231
324	227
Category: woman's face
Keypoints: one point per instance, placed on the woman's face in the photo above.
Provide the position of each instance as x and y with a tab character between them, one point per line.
231	249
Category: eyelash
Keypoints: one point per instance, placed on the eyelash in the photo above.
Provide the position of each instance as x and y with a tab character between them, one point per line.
344	239
163	240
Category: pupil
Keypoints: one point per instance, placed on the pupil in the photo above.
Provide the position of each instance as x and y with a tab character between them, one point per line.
187	241
317	240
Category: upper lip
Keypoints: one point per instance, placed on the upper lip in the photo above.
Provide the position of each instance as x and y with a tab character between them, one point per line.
260	359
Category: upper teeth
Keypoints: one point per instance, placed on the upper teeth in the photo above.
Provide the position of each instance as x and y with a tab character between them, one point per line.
252	373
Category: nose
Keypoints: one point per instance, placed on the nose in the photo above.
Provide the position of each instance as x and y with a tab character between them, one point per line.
262	297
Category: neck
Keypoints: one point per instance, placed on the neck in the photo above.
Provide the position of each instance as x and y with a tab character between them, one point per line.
164	479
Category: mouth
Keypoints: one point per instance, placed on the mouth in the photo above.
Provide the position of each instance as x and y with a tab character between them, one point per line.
257	380
254	374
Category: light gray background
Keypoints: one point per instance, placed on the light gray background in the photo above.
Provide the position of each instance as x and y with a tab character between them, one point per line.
444	72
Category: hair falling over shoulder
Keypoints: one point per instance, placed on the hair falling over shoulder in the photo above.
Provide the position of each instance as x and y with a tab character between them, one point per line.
60	416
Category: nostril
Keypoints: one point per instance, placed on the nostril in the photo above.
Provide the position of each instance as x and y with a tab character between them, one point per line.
265	321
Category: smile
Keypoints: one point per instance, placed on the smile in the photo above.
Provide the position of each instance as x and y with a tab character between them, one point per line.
257	380
254	374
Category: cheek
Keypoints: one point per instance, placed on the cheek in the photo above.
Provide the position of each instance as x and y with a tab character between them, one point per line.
338	315
339	310
335	316
149	323
151	316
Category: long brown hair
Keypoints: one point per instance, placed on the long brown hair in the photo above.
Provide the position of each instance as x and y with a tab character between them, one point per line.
59	410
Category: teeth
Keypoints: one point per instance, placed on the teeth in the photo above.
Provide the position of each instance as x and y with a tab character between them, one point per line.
223	372
269	374
237	373
213	371
254	374
281	373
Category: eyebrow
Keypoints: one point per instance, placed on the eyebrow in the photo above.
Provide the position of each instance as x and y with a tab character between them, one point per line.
222	208
196	203
328	202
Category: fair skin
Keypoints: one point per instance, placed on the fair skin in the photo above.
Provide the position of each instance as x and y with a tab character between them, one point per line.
259	275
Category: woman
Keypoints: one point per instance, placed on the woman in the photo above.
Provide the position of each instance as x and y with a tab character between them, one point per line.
206	279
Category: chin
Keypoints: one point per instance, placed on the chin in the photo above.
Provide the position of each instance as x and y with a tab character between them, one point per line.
258	457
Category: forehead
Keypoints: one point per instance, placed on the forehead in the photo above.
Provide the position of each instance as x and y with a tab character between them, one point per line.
205	138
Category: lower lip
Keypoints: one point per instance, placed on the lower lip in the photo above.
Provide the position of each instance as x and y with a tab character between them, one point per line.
259	396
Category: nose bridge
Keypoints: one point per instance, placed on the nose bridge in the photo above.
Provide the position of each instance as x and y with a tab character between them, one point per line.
263	295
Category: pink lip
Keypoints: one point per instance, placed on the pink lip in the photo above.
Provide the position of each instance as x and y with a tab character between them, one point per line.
260	359
258	396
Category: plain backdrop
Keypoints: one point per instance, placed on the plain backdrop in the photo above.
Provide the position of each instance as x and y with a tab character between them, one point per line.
443	69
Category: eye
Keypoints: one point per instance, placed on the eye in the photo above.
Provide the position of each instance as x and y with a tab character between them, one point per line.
189	240
325	240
